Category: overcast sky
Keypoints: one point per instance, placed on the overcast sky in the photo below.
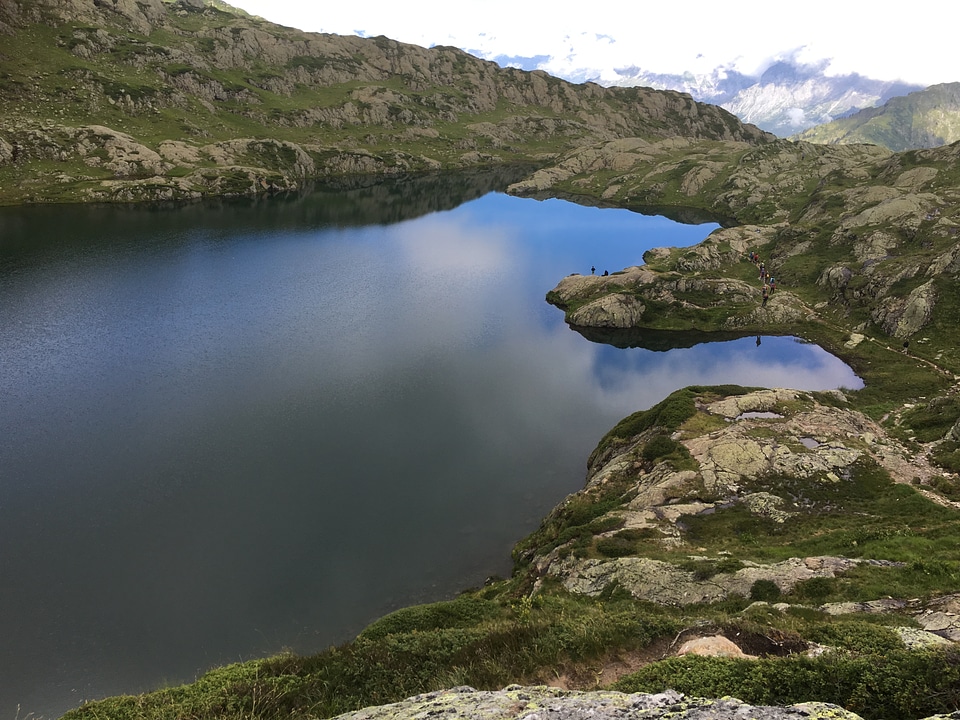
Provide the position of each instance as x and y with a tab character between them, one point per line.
915	41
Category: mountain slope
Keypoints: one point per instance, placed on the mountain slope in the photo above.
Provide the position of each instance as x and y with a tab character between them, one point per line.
125	99
928	118
785	99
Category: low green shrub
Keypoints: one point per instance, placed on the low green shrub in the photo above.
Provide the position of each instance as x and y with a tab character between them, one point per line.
663	448
765	590
616	546
465	611
948	487
932	420
815	590
883	686
856	636
659	446
947	455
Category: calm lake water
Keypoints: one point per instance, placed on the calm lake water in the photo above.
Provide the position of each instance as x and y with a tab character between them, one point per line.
233	428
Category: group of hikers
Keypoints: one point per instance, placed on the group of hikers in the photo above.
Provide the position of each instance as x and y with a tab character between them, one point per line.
767	281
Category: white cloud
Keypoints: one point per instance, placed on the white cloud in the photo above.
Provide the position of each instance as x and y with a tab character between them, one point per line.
913	43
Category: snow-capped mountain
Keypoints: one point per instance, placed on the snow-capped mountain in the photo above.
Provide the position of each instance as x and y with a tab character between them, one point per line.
785	99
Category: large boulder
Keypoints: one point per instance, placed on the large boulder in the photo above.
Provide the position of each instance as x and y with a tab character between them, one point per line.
901	317
617	310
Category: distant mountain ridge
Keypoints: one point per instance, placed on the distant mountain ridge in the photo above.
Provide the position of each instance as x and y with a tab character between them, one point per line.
787	98
163	99
923	119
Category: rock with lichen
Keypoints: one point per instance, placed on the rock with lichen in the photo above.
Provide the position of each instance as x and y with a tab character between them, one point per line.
744	452
539	703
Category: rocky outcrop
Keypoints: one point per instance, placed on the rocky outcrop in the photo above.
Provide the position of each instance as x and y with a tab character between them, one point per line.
763	445
539	703
943	625
644	161
117	167
713	646
639	297
903	317
665	583
610	311
866	223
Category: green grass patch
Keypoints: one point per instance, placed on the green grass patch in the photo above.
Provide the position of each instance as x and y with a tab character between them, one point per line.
932	420
468	644
880	686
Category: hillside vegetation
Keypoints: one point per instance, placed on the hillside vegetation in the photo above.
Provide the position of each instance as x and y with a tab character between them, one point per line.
163	99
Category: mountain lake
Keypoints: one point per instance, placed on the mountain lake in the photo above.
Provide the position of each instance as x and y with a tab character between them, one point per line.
231	428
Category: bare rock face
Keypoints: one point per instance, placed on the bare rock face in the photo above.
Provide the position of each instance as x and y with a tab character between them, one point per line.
630	155
610	311
6	152
576	287
916	639
543	703
141	14
875	246
902	317
942	617
713	646
889	205
125	156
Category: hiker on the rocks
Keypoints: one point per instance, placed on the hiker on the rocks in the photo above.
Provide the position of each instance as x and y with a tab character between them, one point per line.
593	270
773	285
765	297
763	272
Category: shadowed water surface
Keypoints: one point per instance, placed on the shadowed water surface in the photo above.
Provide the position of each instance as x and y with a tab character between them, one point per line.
234	428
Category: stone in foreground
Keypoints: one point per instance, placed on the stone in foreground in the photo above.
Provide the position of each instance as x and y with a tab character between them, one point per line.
540	703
